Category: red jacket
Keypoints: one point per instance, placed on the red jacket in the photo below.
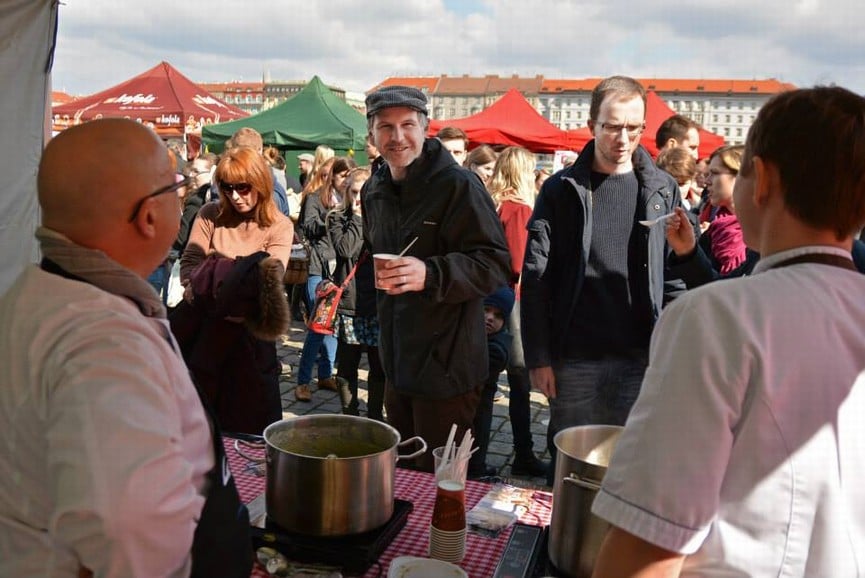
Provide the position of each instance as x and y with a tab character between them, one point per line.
514	218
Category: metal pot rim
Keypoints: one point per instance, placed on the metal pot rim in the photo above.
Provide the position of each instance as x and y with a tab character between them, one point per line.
328	418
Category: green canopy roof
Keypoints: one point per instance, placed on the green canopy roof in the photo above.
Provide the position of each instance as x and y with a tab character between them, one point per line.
314	116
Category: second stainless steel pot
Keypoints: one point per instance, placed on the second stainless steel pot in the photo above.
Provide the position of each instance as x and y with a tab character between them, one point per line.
332	475
575	533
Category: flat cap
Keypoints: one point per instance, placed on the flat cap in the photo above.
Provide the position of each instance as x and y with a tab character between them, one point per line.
391	96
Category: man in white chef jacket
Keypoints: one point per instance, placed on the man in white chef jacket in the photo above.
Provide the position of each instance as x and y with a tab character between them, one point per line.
743	455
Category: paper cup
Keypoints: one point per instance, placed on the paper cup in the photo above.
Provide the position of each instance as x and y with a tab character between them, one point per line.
378	260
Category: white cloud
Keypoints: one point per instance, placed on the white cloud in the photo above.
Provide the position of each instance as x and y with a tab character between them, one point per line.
357	44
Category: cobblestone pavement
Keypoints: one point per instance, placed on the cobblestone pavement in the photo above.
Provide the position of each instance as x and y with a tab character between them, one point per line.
500	451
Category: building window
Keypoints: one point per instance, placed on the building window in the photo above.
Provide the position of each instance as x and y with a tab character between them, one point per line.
738	132
726	118
556	115
714	118
728	105
726	132
739	118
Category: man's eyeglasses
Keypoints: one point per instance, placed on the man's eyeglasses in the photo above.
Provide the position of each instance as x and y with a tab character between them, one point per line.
240	188
160	191
633	130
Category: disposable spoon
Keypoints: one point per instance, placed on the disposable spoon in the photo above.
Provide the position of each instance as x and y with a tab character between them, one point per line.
651	222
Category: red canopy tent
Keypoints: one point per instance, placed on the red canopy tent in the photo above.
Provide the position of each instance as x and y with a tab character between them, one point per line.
657	112
511	120
161	97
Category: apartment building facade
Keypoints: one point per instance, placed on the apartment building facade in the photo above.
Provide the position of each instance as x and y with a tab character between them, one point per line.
254	97
725	107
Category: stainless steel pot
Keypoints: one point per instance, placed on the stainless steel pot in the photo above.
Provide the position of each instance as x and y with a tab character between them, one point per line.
575	533
332	475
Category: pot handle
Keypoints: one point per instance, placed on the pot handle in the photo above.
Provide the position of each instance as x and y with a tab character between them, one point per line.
581	482
250	444
420	452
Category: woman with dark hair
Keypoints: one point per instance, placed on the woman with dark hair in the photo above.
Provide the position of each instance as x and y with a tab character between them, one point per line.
482	161
322	262
235	306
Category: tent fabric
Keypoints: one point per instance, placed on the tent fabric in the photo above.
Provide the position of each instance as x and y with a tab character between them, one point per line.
27	28
511	120
161	97
314	116
657	112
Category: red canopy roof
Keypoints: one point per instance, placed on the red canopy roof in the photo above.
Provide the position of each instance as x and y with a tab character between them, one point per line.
162	96
657	112
511	120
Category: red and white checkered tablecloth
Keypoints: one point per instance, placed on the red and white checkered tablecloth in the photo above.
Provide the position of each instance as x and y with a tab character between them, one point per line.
482	553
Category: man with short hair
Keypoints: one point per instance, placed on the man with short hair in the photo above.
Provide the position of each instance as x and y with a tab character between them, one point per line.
249	137
456	141
109	464
432	340
593	277
744	454
304	166
678	131
375	158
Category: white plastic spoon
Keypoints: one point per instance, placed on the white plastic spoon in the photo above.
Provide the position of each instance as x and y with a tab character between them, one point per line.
651	222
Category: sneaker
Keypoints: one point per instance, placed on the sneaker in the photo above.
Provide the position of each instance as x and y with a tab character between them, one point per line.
530	466
302	393
329	384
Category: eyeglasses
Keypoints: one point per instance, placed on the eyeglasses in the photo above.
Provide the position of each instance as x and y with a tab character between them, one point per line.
633	130
160	191
239	188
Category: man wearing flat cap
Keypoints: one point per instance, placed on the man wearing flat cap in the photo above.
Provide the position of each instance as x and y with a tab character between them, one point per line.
433	340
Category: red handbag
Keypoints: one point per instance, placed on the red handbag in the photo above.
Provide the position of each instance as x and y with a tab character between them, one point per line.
327	296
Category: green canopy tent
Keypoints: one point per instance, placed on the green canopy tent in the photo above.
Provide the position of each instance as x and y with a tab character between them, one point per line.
314	116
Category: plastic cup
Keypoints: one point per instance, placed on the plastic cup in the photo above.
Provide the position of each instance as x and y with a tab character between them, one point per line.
378	261
458	470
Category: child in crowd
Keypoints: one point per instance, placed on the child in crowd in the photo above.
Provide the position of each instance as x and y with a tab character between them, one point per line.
497	308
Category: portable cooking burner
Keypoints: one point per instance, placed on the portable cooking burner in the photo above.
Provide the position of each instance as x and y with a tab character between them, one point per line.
354	553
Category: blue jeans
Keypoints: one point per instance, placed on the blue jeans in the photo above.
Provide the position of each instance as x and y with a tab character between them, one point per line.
315	345
594	391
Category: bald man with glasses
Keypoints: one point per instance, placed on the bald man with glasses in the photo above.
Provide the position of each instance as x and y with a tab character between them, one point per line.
110	464
593	277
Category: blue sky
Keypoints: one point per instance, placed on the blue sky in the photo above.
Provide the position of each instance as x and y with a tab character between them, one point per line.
355	45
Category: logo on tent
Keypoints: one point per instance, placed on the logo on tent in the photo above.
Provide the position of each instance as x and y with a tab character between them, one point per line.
199	99
130	99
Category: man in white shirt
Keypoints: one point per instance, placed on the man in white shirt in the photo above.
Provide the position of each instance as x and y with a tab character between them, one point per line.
743	455
107	454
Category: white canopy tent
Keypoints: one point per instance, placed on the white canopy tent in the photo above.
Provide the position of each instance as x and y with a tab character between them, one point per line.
27	35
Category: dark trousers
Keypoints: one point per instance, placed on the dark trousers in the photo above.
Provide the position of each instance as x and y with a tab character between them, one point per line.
347	362
519	406
482	425
430	419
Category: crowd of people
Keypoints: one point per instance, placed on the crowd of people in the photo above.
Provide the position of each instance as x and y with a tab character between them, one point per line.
742	444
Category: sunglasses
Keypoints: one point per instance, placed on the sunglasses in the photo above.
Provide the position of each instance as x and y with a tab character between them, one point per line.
160	191
239	188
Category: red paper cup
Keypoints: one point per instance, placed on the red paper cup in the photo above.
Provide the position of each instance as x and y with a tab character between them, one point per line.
378	260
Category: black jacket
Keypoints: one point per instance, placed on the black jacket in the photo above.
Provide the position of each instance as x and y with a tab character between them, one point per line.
313	226
191	206
559	238
346	235
433	342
